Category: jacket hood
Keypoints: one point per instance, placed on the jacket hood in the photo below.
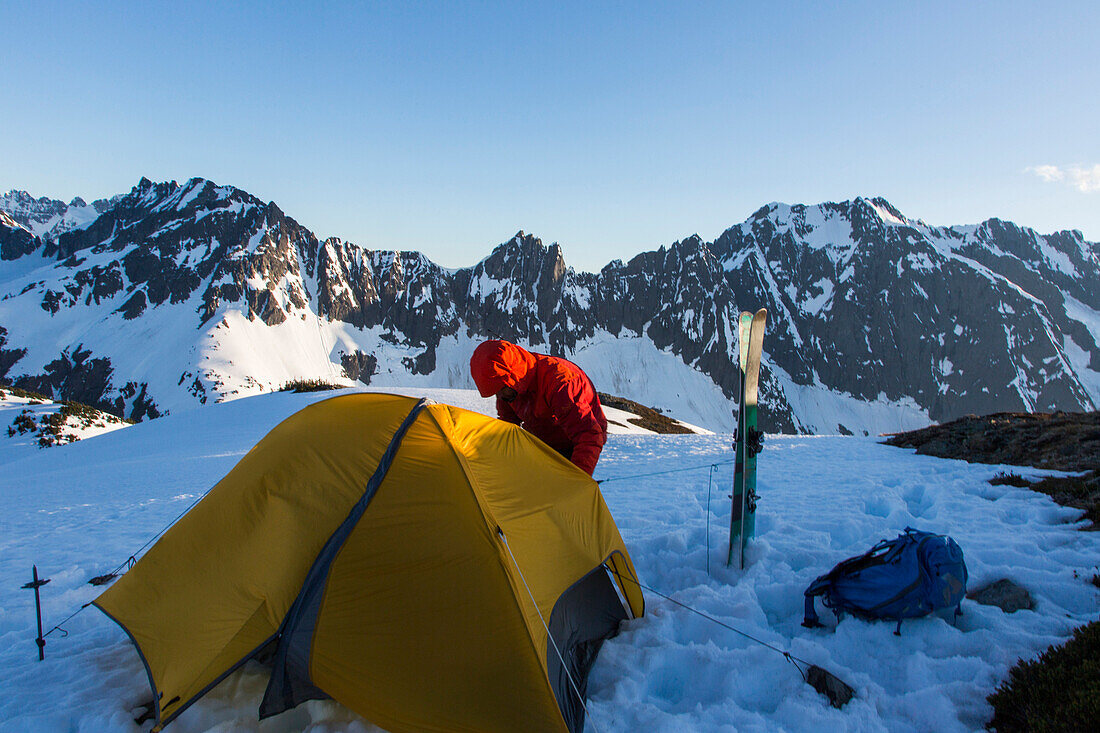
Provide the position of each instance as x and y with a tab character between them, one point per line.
497	364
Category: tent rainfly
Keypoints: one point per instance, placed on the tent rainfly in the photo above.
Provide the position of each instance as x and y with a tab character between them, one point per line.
428	567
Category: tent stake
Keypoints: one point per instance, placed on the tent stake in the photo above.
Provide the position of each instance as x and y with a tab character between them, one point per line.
36	584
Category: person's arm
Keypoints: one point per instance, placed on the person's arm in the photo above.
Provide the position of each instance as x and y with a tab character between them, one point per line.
506	413
572	405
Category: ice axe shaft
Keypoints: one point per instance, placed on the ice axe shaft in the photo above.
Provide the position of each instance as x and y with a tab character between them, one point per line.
36	584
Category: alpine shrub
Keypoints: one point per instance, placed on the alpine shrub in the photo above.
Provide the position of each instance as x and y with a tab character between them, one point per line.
308	385
1010	479
1059	691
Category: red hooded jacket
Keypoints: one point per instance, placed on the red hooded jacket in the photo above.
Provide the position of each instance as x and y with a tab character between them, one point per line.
555	399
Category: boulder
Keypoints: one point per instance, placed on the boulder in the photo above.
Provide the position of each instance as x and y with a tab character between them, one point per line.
1005	595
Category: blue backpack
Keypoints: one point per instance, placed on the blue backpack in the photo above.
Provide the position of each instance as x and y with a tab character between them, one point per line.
913	575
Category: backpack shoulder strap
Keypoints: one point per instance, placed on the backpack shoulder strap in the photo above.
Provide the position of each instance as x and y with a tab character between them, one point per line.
880	554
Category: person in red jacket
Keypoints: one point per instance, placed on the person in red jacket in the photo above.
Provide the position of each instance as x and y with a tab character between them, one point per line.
548	396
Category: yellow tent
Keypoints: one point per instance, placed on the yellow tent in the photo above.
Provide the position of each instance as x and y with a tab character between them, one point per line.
430	568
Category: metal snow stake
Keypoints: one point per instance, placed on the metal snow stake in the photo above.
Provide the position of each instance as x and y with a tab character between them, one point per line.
36	584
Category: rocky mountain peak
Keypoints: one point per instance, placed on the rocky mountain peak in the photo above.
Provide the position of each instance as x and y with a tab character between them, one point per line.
32	213
882	205
873	316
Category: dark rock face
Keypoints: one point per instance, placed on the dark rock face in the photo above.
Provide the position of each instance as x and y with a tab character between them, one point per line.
141	406
359	366
76	376
134	306
73	376
521	292
863	303
15	240
8	357
1005	595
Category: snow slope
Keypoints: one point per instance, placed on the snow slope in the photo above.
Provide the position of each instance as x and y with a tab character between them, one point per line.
80	510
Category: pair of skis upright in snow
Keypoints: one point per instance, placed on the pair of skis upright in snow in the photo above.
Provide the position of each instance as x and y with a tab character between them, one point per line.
748	439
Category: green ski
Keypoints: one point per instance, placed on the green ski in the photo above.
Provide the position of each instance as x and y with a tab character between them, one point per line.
748	438
744	327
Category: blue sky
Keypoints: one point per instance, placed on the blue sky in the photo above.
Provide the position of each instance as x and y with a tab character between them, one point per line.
611	128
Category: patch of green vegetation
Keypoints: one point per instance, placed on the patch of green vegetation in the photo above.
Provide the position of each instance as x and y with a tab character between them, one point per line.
309	385
1059	691
50	427
23	423
24	393
86	414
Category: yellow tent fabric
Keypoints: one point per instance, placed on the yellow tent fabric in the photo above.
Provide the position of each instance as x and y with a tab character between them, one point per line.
431	568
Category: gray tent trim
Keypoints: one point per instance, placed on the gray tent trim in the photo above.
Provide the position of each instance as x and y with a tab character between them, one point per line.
586	614
290	683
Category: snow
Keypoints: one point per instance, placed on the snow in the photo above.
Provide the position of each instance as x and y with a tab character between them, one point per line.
18	274
74	217
812	305
195	187
821	410
1078	356
633	367
582	296
887	218
1057	259
7	221
80	510
920	261
624	365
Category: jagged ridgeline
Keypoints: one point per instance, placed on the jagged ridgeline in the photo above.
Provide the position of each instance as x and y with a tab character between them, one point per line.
173	295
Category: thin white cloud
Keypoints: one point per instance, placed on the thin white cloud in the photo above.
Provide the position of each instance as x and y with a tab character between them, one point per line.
1085	180
1047	172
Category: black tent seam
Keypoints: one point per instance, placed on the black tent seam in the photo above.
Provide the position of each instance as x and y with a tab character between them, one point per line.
216	681
194	698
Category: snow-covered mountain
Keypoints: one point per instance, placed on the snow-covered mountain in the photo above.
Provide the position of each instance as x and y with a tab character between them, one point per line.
48	218
175	295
